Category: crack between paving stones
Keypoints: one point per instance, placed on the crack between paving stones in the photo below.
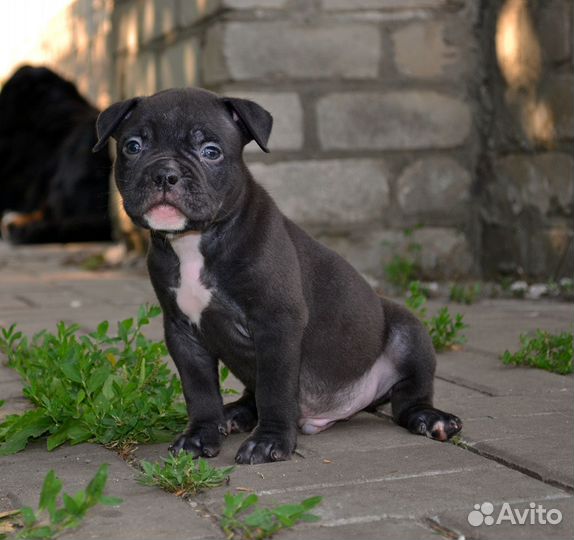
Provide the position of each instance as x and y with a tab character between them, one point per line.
445	532
26	301
465	385
514	466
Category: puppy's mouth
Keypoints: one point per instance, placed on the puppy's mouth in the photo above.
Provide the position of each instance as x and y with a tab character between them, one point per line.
165	217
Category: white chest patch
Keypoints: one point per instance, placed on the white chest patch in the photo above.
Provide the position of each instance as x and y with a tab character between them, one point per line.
192	296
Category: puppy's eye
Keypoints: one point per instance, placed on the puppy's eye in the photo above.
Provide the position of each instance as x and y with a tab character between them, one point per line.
133	146
211	152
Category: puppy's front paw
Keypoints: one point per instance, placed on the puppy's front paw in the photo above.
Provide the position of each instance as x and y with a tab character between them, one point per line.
435	424
204	441
265	447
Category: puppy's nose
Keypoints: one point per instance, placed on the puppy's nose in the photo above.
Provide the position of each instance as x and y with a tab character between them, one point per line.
166	177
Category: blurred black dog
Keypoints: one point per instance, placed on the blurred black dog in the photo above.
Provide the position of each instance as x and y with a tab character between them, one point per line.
53	188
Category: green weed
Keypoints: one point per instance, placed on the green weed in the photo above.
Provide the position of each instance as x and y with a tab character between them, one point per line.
51	519
552	352
223	374
262	523
464	294
183	475
445	331
113	390
404	267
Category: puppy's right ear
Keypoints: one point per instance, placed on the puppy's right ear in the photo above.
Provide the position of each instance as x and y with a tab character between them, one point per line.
109	120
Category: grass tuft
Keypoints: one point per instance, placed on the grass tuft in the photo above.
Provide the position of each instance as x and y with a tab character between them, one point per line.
259	523
543	350
51	520
446	332
115	390
183	475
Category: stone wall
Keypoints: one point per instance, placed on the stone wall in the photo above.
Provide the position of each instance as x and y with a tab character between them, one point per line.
526	179
389	114
373	102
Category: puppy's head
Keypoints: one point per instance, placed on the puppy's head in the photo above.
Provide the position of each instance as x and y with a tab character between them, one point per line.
179	163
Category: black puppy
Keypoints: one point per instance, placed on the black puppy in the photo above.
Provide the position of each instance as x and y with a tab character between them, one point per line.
53	188
238	281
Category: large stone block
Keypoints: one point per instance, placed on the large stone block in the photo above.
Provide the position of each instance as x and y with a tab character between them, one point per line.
286	50
333	192
544	182
445	252
411	119
285	107
421	50
178	64
434	186
559	94
368	250
383	4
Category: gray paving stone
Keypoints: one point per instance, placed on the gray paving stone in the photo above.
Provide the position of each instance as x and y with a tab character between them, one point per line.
365	528
487	373
458	522
145	513
495	325
404	496
340	465
377	479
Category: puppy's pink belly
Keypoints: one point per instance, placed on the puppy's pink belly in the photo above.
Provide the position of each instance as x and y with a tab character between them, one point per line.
354	398
310	426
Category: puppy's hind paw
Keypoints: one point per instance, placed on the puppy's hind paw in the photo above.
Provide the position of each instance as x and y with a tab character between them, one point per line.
435	424
240	417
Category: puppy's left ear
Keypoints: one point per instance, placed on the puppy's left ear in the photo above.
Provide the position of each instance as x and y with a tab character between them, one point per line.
109	120
253	120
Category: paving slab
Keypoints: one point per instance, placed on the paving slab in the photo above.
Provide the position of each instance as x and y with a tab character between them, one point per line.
495	325
363	528
455	521
487	374
377	480
145	513
409	496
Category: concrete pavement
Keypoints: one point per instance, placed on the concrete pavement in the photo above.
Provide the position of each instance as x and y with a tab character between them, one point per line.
377	480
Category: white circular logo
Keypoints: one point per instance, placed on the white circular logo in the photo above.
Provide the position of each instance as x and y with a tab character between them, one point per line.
475	517
481	514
